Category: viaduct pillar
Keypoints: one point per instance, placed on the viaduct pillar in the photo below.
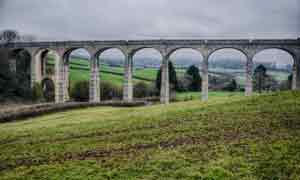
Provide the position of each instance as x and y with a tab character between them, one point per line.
249	78
66	66
165	84
94	93
33	71
204	86
60	78
297	72
128	84
295	76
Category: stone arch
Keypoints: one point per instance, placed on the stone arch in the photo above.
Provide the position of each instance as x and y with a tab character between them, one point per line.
179	49
290	52
136	50
192	58
103	50
227	76
284	74
73	66
68	52
229	47
110	61
146	63
174	50
56	70
41	63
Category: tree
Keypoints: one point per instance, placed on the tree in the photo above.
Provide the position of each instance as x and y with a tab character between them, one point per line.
290	81
260	74
141	90
9	36
232	86
15	82
37	92
80	91
194	73
172	77
110	91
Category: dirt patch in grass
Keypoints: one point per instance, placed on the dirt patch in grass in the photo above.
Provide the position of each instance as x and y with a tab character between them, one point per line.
99	154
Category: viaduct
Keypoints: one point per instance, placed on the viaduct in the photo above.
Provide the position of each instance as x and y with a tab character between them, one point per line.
63	49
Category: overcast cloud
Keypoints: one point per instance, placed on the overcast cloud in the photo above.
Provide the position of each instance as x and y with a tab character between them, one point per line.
151	19
155	19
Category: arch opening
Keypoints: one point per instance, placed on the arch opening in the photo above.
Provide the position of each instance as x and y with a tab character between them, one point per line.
111	67
146	73
227	71
272	70
45	72
187	63
77	72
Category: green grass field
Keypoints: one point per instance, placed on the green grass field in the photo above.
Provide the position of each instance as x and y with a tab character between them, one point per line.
215	94
225	138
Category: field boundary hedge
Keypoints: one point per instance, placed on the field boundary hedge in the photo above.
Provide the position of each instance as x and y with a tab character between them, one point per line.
42	109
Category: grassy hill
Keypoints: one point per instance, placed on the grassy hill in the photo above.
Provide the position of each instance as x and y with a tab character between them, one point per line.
225	138
80	70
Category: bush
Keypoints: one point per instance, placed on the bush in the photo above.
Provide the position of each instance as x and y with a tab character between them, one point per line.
232	86
80	91
141	90
37	92
110	91
183	83
48	90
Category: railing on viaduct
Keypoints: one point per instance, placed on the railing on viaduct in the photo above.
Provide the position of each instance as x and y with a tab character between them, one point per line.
63	49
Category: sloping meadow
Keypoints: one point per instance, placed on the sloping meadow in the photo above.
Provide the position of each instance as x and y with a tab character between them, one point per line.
224	138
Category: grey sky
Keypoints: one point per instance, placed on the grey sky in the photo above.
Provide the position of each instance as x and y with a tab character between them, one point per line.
151	19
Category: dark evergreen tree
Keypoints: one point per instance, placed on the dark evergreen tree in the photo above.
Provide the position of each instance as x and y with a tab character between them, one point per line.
172	77
290	81
260	74
194	73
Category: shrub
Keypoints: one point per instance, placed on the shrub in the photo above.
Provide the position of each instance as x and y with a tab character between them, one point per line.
37	92
141	90
232	86
110	91
48	90
183	83
80	91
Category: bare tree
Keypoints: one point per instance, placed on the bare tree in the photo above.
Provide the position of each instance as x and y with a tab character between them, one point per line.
8	36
